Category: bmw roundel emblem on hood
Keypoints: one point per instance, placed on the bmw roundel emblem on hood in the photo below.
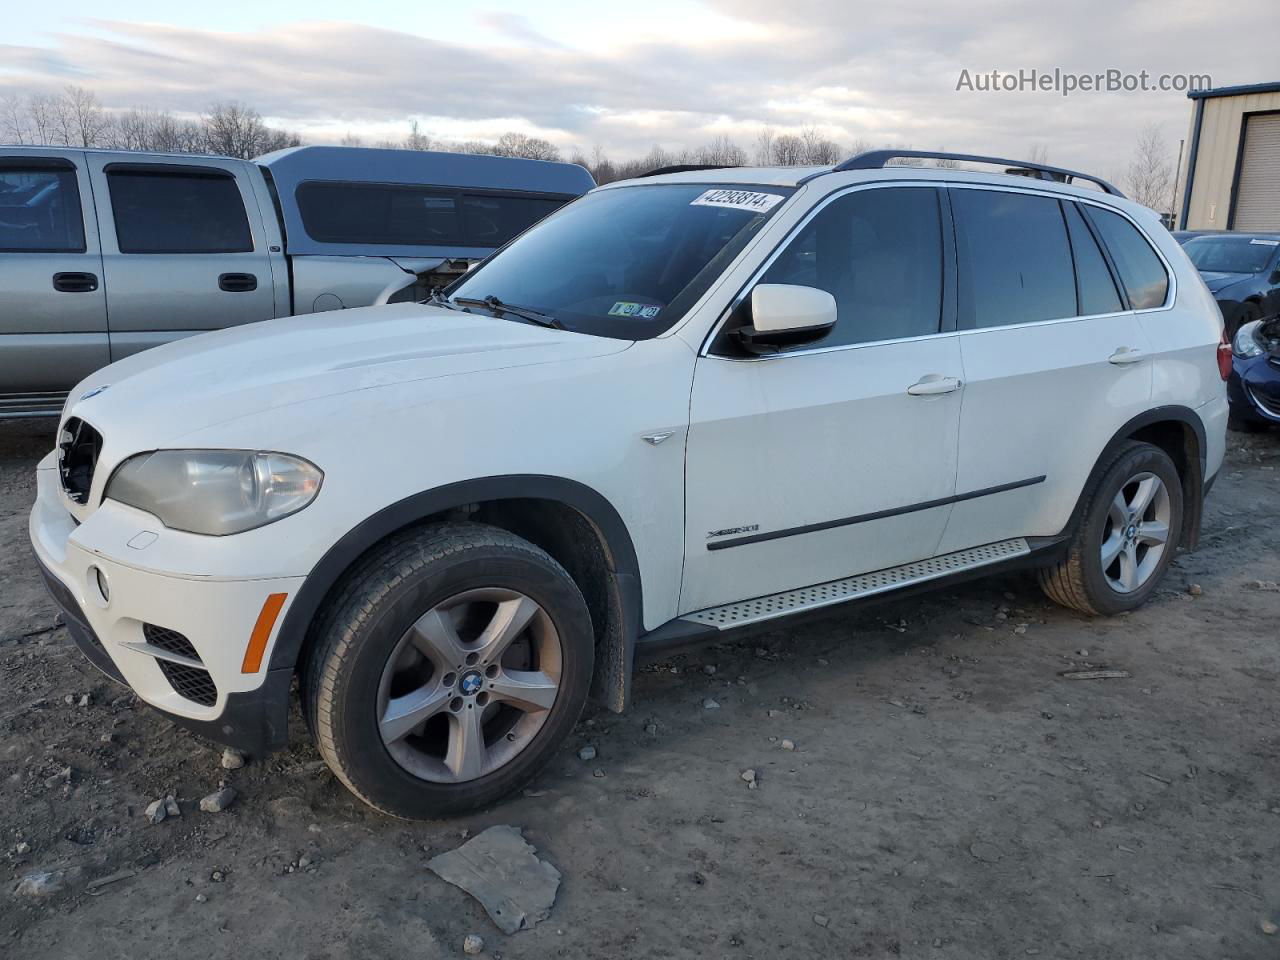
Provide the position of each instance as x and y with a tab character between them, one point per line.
94	392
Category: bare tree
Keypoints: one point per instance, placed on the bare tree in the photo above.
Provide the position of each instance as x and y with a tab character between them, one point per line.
236	130
78	118
515	144
1149	177
350	139
1038	154
721	152
764	146
416	140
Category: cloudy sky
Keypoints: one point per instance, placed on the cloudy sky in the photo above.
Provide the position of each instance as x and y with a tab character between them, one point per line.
661	71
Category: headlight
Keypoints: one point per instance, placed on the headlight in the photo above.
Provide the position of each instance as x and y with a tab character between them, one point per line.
215	492
1246	343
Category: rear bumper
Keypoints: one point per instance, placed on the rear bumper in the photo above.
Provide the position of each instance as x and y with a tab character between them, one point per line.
247	710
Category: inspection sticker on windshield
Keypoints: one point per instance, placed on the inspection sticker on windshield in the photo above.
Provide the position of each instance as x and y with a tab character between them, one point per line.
1265	243
625	308
739	200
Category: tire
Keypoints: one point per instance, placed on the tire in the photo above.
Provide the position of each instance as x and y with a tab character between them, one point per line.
443	593
1080	581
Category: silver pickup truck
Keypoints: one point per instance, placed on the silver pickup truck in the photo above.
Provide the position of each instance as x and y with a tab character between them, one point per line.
105	253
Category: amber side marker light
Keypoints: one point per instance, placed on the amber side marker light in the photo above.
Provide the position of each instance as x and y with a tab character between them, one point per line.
262	633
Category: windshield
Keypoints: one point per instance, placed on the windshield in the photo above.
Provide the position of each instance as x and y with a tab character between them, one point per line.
626	262
1230	254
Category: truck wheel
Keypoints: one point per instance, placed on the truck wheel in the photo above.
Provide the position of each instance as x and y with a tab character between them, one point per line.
448	670
1126	537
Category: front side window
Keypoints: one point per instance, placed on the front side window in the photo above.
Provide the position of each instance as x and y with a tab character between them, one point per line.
40	209
180	211
1013	257
626	262
878	252
1140	269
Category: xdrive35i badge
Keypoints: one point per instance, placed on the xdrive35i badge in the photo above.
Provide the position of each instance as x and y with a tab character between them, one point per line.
731	530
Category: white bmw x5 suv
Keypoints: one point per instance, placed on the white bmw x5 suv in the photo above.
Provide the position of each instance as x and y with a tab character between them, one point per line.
687	403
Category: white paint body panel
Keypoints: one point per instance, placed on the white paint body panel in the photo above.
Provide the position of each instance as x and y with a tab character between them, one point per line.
395	400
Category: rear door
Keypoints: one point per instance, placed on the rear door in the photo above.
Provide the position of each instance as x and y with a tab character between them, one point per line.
53	317
183	248
1055	362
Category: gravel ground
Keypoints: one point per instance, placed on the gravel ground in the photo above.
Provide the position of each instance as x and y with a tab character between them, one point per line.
949	793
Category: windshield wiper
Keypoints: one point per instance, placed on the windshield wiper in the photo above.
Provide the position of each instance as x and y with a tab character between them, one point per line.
524	313
438	299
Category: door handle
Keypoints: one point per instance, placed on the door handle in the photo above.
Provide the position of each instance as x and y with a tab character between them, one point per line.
933	385
1125	355
75	282
237	282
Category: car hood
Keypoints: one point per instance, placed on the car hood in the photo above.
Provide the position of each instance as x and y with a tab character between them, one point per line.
153	397
1216	280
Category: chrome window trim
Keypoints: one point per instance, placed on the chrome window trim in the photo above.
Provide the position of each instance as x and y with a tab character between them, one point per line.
741	295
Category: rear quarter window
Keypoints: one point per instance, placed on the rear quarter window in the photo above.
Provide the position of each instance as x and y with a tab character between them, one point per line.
1141	269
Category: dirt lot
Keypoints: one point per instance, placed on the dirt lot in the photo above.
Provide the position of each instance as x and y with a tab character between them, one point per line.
949	795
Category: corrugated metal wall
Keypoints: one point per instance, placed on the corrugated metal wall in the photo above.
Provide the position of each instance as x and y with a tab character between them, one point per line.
1216	161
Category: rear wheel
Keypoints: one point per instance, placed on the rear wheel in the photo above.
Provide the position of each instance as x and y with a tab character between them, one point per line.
449	669
1126	537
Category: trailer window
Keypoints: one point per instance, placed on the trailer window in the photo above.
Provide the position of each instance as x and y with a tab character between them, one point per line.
395	214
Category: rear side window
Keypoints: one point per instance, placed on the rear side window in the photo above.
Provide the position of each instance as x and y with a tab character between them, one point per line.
1140	269
40	208
178	211
1014	259
413	215
1093	277
879	253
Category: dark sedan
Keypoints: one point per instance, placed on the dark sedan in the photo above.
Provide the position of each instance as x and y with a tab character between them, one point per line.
1254	386
1241	270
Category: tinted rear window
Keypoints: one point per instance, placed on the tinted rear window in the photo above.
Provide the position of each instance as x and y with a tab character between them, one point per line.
1140	270
178	212
1097	290
412	215
1014	259
40	210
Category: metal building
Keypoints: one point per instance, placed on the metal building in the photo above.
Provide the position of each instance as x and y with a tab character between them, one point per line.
1230	177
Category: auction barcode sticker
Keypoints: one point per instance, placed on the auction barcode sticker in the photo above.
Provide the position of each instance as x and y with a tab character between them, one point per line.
739	200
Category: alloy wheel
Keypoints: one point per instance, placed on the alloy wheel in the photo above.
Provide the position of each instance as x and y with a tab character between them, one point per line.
1136	533
469	685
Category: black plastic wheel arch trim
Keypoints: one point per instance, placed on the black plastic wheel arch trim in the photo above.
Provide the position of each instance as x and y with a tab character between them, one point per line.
877	515
416	508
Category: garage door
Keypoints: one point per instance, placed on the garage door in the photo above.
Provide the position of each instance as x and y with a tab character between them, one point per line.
1258	197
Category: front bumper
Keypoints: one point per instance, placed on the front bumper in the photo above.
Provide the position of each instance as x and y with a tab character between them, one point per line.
216	617
1254	389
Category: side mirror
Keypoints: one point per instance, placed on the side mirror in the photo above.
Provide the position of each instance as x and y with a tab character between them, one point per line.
784	315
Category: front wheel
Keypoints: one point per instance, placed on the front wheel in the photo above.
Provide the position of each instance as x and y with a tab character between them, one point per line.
1126	537
449	669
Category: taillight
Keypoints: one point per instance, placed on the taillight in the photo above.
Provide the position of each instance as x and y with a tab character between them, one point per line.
1224	357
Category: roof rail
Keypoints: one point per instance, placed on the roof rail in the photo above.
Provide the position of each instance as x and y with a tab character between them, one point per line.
877	159
685	168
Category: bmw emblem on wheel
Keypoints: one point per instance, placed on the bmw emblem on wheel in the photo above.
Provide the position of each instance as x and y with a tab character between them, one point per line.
471	684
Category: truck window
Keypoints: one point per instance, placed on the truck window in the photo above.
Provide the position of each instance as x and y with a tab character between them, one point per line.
399	214
182	210
40	208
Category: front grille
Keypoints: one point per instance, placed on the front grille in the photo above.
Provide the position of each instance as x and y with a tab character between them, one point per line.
1270	404
188	681
78	447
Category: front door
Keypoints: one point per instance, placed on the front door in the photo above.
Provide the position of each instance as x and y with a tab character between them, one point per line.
836	457
53	315
183	248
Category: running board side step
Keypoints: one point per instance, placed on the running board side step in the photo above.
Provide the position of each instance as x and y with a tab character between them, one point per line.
746	612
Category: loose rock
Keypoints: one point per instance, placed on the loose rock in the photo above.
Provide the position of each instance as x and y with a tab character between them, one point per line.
709	669
42	883
821	920
1194	589
232	759
171	806
587	753
472	944
156	811
709	704
219	800
788	744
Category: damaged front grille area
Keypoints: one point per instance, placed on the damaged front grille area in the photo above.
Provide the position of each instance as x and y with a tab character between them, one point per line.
79	445
188	679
